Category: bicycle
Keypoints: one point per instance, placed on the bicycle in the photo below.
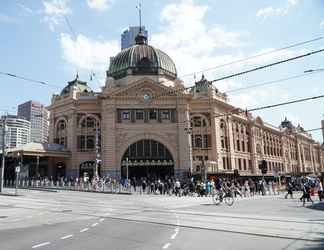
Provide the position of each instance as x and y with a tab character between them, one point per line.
219	196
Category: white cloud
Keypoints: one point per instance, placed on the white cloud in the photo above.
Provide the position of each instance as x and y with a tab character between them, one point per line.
189	41
86	53
282	11
54	11
322	24
99	5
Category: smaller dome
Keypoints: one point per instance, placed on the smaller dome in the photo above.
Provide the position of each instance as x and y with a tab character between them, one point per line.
287	124
80	86
202	85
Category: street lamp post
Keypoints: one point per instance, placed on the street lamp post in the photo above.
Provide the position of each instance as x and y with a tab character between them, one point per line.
17	170
3	151
97	152
37	166
127	169
188	130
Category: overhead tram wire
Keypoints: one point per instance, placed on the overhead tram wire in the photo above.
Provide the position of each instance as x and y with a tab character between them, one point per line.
246	71
272	82
29	79
240	111
268	65
256	56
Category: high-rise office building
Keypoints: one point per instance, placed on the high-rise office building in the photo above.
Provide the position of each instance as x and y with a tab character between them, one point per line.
38	115
17	131
128	36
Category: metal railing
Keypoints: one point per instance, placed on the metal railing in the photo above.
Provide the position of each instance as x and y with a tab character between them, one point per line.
102	187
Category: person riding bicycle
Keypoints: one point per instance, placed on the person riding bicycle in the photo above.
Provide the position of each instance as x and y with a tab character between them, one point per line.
224	190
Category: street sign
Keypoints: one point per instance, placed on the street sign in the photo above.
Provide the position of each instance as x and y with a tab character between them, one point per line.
17	169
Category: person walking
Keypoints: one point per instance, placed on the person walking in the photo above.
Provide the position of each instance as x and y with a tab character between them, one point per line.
289	190
319	187
306	193
177	188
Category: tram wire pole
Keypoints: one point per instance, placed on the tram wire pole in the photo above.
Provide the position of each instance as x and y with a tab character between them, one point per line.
127	170
4	122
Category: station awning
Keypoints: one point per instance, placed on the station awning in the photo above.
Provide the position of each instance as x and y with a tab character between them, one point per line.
41	150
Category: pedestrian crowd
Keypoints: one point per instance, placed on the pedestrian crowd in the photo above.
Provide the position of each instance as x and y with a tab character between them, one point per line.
191	187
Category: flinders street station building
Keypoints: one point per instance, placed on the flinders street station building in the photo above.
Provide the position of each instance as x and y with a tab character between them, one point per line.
145	123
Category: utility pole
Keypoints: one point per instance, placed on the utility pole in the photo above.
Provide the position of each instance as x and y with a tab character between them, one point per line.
4	119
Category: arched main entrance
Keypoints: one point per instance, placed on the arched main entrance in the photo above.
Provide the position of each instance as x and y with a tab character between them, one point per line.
147	158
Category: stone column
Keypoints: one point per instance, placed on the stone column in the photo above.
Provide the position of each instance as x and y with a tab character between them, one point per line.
231	142
253	153
183	147
216	146
71	165
110	166
300	167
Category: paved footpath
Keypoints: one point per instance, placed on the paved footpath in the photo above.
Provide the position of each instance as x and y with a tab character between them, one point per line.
73	220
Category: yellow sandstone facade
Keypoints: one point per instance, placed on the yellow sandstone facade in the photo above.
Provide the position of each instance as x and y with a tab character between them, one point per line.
144	120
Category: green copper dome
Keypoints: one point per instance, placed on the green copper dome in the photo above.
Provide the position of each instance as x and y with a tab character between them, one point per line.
141	59
76	83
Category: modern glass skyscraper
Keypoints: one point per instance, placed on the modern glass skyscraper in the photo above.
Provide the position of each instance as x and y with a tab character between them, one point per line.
128	36
38	115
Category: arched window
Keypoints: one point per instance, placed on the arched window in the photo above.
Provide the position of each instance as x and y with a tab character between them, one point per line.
61	133
88	134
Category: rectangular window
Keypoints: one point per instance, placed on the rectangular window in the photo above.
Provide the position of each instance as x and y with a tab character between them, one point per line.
240	164
165	115
223	143
198	141
244	164
243	146
139	115
90	142
206	144
153	114
224	162
126	115
238	145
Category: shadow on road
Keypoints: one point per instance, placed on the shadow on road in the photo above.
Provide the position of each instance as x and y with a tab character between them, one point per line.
315	245
317	206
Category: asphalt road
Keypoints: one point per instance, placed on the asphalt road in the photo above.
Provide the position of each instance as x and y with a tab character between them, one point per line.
72	220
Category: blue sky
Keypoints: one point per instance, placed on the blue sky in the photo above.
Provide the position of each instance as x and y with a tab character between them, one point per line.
36	42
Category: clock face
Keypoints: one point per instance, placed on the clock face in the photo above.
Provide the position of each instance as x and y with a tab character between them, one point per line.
147	97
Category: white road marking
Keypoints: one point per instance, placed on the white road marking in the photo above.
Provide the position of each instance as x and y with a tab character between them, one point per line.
41	244
84	230
102	219
166	245
174	236
67	236
94	224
